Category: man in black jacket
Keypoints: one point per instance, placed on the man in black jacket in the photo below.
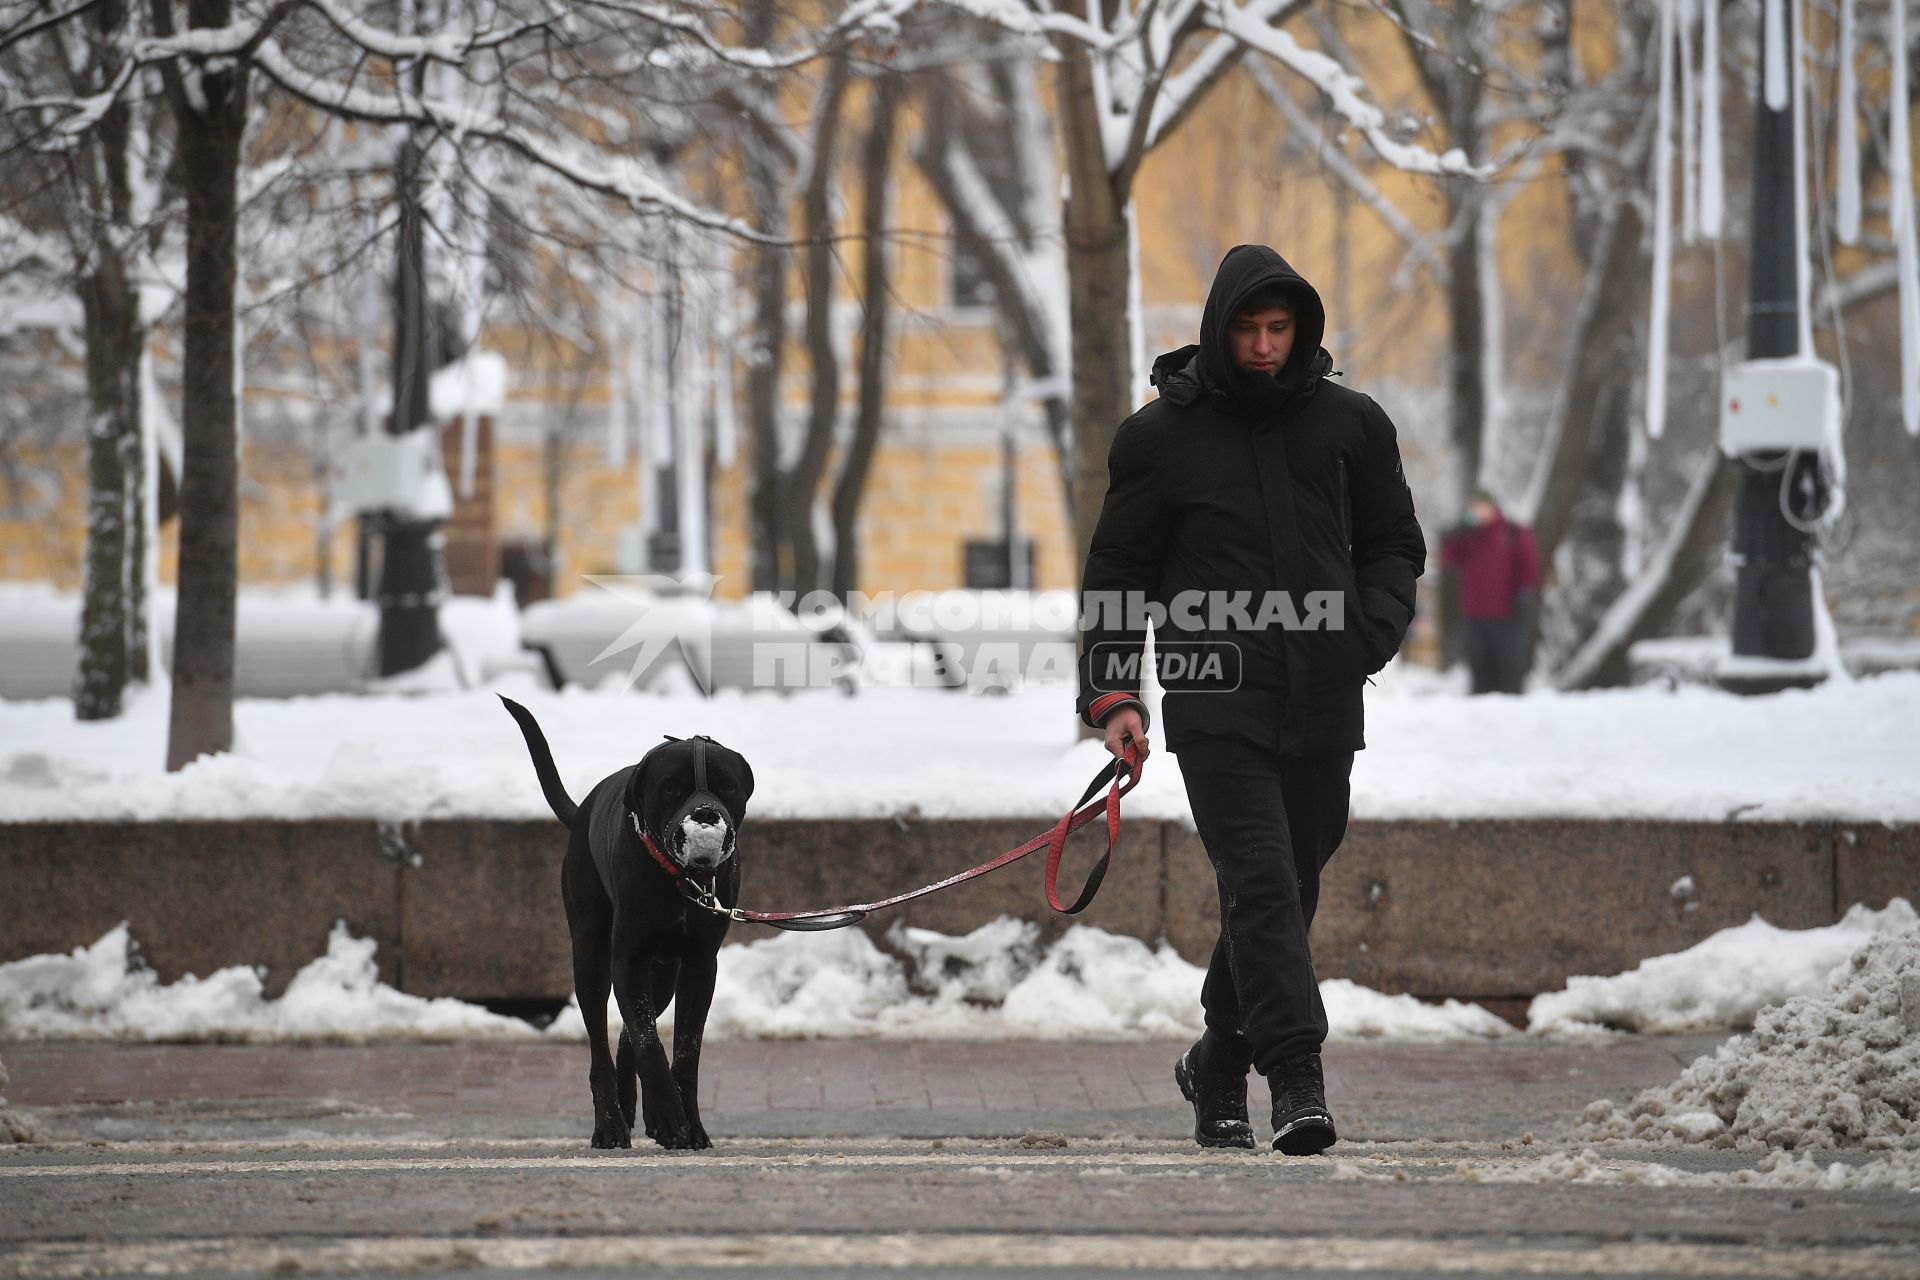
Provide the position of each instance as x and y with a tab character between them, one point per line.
1257	517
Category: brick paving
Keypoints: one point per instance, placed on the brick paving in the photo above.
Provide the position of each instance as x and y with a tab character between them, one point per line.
1385	1091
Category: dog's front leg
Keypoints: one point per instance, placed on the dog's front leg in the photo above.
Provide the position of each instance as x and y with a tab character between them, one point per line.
691	1002
589	920
661	1112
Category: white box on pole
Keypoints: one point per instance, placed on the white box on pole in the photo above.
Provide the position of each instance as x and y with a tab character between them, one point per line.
1779	404
399	474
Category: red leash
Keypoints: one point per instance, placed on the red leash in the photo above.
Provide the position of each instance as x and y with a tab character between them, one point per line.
1085	810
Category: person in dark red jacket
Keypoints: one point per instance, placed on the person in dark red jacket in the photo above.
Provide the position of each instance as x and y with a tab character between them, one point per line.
1260	511
1497	565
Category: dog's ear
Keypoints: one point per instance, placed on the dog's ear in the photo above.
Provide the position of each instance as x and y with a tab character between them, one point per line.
746	775
641	786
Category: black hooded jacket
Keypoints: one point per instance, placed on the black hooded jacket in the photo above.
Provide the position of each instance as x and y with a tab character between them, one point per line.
1236	484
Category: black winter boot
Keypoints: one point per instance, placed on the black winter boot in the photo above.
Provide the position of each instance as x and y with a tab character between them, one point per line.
1219	1102
1302	1125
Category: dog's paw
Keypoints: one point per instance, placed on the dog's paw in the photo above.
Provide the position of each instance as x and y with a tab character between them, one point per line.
612	1134
697	1139
674	1137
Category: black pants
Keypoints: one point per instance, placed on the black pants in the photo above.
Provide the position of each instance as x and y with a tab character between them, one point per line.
1269	823
1496	652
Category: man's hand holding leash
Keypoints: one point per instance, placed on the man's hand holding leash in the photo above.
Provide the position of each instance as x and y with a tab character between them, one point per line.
1125	726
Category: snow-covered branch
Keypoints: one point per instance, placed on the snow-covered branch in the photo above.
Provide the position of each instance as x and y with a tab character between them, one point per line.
876	18
973	203
1182	90
1022	19
622	177
32	26
1343	90
1348	174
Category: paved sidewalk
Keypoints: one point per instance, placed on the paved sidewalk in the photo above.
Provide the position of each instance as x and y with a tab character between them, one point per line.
988	1160
1386	1092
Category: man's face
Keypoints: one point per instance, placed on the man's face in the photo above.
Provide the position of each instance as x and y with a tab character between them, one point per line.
1261	340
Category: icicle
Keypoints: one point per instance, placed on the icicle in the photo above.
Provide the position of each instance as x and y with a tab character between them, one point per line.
239	388
1136	313
660	391
1662	232
365	335
1689	130
1900	193
726	431
616	391
690	457
1776	55
1847	197
1712	191
1802	163
1493	313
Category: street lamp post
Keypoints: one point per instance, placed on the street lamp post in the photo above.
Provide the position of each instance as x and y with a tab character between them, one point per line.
1773	556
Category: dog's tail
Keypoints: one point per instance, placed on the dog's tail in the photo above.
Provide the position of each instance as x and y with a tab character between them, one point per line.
543	767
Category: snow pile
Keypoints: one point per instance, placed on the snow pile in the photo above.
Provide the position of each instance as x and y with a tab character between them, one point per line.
1840	1069
999	983
101	992
996	983
483	634
1722	982
1355	1012
14	1127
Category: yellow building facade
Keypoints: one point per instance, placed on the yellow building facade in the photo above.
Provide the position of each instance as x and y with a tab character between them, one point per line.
1232	173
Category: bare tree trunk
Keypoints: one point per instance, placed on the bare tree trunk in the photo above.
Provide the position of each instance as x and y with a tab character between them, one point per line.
1687	556
1593	548
771	565
201	720
1601	346
1466	340
877	166
803	482
135	480
553	473
1576	490
323	526
111	619
111	309
771	568
1099	281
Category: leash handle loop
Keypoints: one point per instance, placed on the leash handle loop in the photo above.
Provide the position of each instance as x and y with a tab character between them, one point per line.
1119	776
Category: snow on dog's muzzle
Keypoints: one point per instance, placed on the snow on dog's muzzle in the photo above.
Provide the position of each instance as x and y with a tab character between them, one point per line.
704	838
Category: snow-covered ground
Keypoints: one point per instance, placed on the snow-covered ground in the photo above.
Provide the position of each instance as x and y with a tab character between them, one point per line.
1846	751
995	983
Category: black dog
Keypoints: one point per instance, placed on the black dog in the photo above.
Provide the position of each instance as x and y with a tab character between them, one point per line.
673	816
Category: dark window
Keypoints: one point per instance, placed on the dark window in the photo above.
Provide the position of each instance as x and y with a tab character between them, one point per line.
969	285
986	563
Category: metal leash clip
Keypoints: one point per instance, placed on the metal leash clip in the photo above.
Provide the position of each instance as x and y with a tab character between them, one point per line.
703	897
